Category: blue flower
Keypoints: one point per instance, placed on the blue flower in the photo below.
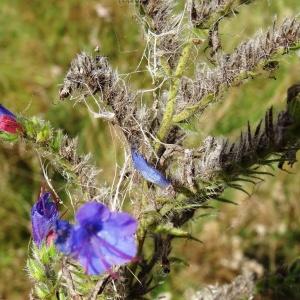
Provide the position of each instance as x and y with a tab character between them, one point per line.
100	239
44	214
148	171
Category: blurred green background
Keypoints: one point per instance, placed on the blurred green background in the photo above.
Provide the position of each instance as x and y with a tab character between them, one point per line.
38	39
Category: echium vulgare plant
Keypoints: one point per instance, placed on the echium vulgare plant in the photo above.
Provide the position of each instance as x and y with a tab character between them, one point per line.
104	252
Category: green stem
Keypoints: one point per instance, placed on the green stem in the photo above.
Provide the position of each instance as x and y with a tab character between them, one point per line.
173	91
190	110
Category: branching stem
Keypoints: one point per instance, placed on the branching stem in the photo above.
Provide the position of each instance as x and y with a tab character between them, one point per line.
173	91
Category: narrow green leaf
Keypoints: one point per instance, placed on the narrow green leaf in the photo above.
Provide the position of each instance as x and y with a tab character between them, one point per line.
225	201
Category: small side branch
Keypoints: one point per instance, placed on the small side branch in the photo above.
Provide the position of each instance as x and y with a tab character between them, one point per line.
245	62
170	106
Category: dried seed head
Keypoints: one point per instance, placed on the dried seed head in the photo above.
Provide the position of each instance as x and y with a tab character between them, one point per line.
93	75
204	13
232	69
158	16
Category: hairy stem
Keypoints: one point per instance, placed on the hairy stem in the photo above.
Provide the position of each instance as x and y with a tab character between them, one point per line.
173	91
61	152
246	62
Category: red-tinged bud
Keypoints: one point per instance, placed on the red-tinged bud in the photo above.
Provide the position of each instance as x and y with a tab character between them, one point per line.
50	238
9	124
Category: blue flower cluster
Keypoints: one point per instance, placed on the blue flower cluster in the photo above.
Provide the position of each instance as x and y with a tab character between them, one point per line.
99	240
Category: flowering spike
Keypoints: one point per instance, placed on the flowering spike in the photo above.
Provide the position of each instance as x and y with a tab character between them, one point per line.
148	171
8	121
100	239
44	214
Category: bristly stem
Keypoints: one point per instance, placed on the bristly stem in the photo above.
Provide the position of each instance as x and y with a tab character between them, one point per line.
173	91
61	151
206	13
248	60
189	111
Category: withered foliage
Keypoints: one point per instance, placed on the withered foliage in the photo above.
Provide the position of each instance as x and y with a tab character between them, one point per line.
218	158
158	17
242	64
93	75
204	12
242	287
80	166
222	158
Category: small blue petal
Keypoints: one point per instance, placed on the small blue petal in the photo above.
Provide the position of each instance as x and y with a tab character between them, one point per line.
6	112
92	211
121	220
148	171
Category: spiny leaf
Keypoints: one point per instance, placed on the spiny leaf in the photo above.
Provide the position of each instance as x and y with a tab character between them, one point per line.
256	177
205	215
249	136
57	140
42	291
178	261
188	127
243	179
238	187
254	172
47	254
225	200
257	130
36	270
9	137
174	231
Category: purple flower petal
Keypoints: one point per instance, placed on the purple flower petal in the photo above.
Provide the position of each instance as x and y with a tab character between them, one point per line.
91	258
44	214
117	252
101	238
122	223
92	211
87	252
148	171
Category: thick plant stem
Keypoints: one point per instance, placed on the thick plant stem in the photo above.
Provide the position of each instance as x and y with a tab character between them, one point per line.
170	107
173	91
190	110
